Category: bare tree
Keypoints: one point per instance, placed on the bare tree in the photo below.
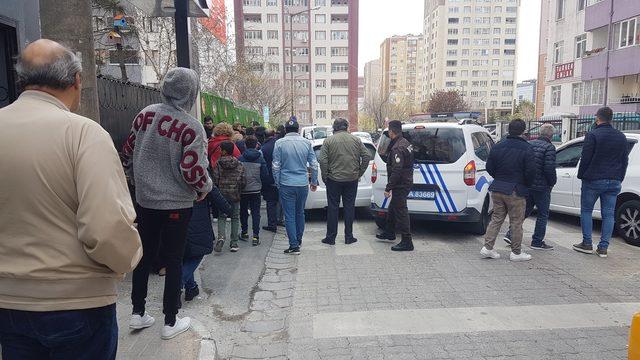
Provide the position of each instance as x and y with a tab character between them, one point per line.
380	108
446	101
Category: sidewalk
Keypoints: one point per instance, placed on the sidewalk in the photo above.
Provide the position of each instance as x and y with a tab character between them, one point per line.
147	344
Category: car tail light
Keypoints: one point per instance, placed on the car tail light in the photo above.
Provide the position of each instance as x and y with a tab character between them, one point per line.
374	173
470	173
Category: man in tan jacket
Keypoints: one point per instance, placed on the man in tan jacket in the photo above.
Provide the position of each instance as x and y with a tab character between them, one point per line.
66	217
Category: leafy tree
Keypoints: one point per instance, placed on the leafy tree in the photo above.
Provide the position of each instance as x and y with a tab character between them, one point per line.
526	110
443	101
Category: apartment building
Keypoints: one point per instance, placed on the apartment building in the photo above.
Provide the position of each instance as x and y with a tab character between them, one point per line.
577	37
526	91
470	46
372	79
312	43
401	68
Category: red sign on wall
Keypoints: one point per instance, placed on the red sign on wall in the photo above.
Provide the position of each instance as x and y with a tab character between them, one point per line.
564	70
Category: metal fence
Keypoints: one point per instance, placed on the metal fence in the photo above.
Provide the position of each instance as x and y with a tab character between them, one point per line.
575	127
119	103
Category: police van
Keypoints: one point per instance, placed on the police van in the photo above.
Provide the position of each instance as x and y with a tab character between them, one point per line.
450	181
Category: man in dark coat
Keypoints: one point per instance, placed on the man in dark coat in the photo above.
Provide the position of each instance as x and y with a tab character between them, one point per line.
512	166
269	190
544	155
400	181
603	166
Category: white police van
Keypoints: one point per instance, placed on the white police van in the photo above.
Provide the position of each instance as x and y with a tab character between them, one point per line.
450	181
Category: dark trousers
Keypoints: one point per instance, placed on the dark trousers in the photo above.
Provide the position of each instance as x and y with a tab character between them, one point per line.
88	334
250	202
398	216
345	190
274	210
170	227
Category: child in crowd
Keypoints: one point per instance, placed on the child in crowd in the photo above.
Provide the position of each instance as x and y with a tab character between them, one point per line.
256	172
200	238
229	177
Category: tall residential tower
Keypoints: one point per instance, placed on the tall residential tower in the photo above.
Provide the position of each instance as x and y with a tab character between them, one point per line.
312	42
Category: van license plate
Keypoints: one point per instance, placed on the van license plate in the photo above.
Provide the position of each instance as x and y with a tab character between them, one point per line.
422	195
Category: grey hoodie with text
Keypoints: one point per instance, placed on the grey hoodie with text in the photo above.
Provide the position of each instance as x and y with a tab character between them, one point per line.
165	154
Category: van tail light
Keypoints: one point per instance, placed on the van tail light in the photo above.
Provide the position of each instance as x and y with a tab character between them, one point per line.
470	173
374	173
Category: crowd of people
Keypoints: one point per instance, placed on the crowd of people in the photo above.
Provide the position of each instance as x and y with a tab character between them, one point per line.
73	231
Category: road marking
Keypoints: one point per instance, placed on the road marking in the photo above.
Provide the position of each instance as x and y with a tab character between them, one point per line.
472	319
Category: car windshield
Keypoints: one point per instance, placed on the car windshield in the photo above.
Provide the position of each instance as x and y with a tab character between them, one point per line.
430	145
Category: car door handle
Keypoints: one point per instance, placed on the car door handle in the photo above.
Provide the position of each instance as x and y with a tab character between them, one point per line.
566	175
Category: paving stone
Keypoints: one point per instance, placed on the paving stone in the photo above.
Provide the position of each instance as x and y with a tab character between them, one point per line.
265	326
263	295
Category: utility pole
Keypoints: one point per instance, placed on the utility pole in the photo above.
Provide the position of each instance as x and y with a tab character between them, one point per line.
609	46
183	54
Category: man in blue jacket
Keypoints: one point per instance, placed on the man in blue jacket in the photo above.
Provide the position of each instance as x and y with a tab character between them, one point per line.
603	165
293	155
512	167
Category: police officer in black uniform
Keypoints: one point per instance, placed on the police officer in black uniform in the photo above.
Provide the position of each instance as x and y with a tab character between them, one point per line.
400	181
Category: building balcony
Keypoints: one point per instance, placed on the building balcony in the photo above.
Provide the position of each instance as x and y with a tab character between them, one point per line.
618	108
622	62
597	15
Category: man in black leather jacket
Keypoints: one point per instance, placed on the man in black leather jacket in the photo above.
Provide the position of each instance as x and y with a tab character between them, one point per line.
544	156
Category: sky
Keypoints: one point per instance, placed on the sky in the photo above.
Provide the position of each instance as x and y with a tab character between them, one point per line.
380	19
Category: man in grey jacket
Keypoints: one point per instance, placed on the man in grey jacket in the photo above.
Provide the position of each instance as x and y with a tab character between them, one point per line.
165	158
343	160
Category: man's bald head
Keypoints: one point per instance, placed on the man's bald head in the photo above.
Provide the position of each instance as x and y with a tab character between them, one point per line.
46	63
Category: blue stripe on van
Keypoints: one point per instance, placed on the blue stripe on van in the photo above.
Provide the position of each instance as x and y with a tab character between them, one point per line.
453	204
384	202
442	199
426	179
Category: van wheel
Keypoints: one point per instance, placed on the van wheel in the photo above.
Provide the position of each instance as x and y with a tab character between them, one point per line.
381	222
628	222
480	227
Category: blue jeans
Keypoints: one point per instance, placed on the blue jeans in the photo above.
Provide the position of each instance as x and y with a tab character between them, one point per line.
541	200
607	191
293	199
89	334
189	266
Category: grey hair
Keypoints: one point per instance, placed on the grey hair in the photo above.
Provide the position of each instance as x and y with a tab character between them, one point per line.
340	124
56	73
547	130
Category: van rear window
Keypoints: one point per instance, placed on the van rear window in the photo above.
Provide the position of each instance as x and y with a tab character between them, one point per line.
430	145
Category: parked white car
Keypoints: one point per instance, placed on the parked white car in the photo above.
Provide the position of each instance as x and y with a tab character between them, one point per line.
318	199
450	181
363	135
565	196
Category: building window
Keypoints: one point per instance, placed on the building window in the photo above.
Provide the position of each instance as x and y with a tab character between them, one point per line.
321	35
339	68
510	31
272	18
272	2
302	84
321	18
320	3
576	94
560	9
339	51
251	2
558	48
340	83
450	84
273	51
454	20
321	67
321	114
272	34
339	35
593	2
581	45
627	31
509	41
506	104
452	31
253	35
254	50
451	74
452	63
321	83
556	94
321	51
321	99
452	42
274	67
509	52
301	51
339	99
581	4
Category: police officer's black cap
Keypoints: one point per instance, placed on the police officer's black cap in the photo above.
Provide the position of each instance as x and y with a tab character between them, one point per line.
395	126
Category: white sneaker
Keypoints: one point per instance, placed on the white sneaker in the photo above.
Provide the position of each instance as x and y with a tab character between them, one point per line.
138	322
486	253
181	325
522	257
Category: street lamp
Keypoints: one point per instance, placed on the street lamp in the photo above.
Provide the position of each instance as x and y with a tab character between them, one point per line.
291	49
